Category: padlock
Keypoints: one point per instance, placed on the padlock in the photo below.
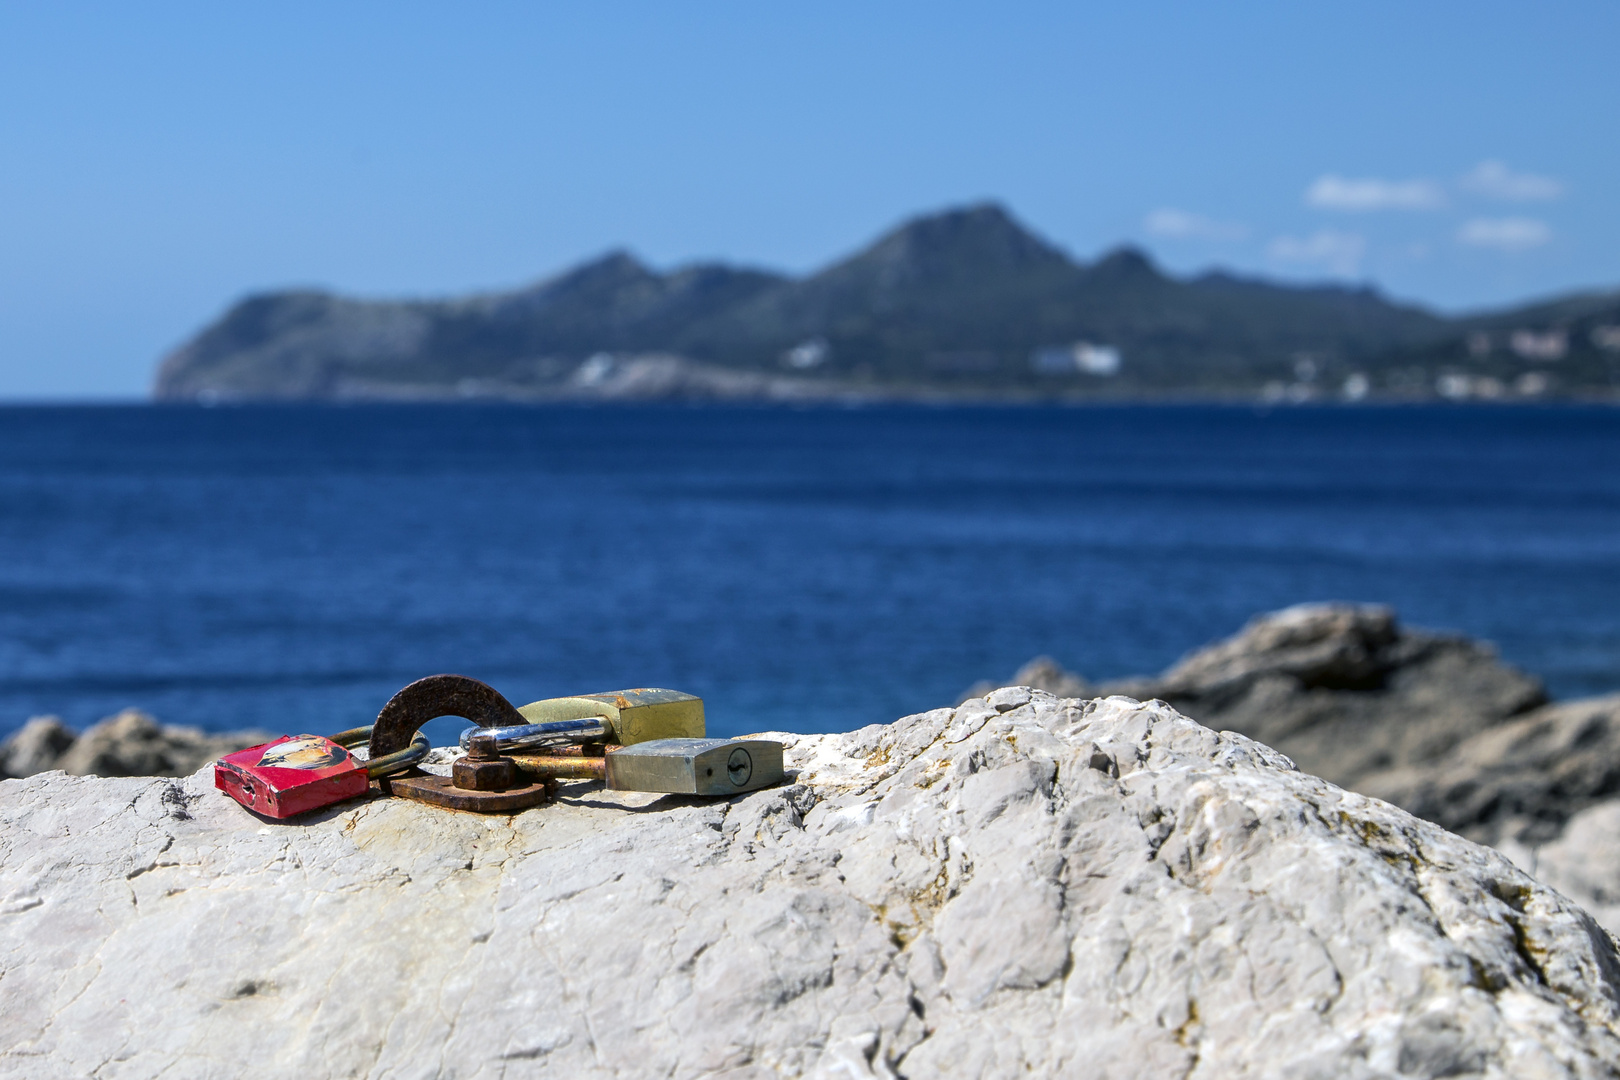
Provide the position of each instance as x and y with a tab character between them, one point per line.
632	716
293	775
643	726
675	766
299	773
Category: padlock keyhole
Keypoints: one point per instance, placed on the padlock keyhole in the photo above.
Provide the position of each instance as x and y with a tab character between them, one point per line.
740	767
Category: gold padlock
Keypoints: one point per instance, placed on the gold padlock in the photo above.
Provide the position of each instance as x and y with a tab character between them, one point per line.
634	716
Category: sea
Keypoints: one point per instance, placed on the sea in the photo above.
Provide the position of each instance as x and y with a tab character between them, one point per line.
291	567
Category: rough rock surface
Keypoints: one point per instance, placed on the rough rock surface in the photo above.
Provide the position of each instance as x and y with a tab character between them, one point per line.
1520	780
130	743
1020	886
1344	690
1354	697
1583	862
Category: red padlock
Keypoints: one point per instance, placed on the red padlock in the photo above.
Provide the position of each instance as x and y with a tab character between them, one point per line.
293	775
299	773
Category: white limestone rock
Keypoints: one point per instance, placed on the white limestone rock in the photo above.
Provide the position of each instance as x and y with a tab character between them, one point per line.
1583	862
1356	698
1020	886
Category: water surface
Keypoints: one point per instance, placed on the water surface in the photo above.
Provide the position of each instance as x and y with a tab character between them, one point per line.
290	567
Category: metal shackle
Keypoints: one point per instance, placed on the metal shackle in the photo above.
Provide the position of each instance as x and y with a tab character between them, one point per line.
513	737
398	761
433	697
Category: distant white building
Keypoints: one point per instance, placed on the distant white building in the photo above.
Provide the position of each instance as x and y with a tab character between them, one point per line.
1082	357
595	369
807	354
1544	345
1460	387
1454	386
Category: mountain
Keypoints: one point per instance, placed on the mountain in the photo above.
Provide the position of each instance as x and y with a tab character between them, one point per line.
963	303
1565	347
315	345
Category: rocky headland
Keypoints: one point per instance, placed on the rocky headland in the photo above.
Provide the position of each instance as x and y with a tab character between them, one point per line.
963	305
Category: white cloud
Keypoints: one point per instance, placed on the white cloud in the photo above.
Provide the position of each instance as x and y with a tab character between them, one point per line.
1494	180
1337	252
1504	234
1333	192
1176	224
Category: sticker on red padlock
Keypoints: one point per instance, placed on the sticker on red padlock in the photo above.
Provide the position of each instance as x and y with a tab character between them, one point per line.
293	775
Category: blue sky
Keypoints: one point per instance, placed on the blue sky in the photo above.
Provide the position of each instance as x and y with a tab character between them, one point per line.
159	161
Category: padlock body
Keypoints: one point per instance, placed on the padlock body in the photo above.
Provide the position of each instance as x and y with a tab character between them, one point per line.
293	775
696	766
634	715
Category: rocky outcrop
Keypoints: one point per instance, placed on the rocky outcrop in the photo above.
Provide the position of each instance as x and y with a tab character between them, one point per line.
1522	779
1436	723
1020	886
38	746
130	743
1345	690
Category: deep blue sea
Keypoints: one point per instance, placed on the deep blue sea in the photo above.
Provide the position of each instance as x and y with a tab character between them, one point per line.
291	567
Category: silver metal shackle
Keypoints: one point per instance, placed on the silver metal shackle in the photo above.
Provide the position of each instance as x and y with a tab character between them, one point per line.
584	729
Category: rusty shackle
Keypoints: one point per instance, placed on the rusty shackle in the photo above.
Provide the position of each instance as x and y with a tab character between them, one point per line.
433	697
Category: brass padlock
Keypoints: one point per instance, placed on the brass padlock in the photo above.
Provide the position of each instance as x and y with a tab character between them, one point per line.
634	716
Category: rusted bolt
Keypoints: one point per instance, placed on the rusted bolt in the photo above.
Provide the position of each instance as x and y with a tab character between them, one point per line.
483	768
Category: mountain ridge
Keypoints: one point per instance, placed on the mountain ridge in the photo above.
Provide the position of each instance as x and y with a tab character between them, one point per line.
966	303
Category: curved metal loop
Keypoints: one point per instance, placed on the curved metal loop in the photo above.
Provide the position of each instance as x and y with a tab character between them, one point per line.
584	729
398	761
433	697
